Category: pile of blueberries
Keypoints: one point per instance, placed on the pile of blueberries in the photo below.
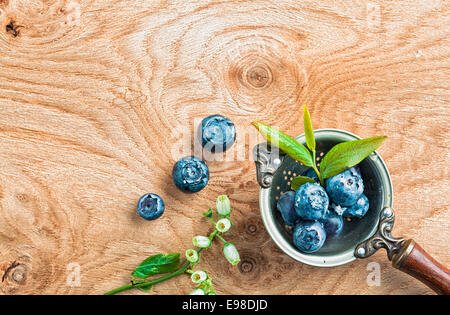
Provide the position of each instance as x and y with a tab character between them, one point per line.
316	214
190	174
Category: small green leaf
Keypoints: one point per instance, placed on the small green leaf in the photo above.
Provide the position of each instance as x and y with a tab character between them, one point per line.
309	133
208	213
146	288
157	264
348	154
299	181
287	144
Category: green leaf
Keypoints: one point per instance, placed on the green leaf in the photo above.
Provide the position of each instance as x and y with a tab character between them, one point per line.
157	264
146	288
208	213
287	144
309	133
348	154
299	181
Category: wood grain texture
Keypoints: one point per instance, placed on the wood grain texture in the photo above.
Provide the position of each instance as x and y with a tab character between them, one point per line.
97	95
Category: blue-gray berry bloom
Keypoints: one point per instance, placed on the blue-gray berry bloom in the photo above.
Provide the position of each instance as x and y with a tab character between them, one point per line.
346	187
311	201
190	174
217	133
309	236
359	209
150	206
286	207
332	223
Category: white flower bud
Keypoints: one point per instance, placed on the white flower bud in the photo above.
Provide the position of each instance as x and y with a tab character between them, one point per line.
231	254
192	255
197	292
223	225
199	277
223	205
201	241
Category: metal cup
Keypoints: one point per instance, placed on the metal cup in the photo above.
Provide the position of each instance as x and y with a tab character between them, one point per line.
275	172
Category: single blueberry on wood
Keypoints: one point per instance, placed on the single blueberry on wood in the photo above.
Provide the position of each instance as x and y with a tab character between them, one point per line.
285	205
359	209
309	236
346	187
190	174
311	201
217	133
150	206
332	223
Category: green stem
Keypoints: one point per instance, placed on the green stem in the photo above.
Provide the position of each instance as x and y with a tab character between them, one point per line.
212	221
181	270
211	236
316	170
320	176
149	283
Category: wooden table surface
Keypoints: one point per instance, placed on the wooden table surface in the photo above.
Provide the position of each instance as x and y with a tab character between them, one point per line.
99	97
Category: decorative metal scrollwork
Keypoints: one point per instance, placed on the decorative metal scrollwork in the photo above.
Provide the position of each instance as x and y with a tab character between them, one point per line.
268	159
382	237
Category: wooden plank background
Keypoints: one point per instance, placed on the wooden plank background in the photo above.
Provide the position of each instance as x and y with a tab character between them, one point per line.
96	97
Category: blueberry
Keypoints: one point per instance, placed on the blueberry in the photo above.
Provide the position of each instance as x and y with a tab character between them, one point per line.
190	174
285	205
332	223
345	188
338	209
359	209
150	206
311	201
309	236
217	133
311	173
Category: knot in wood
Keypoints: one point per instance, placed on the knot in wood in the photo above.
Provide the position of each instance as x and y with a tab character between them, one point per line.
259	76
19	274
16	272
252	228
247	265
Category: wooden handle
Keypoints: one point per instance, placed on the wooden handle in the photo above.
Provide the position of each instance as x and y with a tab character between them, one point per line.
413	260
